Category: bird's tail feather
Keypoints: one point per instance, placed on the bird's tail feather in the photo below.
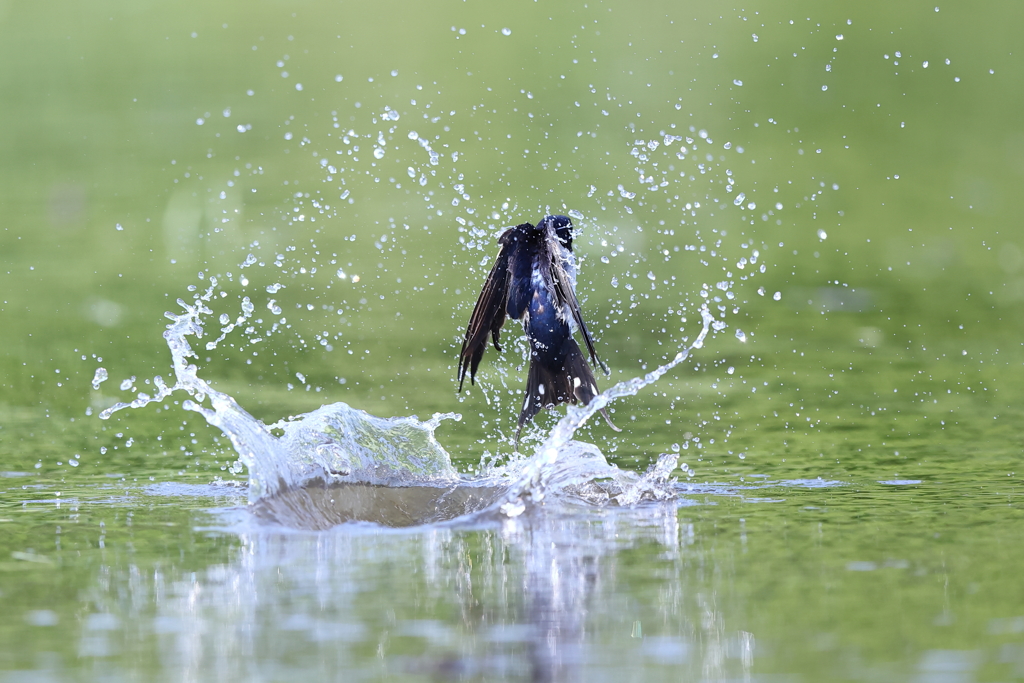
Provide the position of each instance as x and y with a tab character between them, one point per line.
572	383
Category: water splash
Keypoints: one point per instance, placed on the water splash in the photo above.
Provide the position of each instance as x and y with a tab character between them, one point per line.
543	471
336	443
338	463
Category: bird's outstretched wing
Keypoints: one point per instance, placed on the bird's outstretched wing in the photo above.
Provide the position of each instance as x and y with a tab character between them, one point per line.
566	297
488	314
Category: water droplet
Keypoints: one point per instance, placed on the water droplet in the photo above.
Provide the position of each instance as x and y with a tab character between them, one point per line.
824	87
822	234
741	335
737	81
739	199
513	508
777	296
760	290
378	152
839	37
506	31
341	274
200	121
99	378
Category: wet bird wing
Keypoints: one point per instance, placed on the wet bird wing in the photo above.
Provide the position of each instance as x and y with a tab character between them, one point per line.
489	312
565	296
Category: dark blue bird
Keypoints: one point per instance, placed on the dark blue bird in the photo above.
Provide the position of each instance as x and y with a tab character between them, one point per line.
534	280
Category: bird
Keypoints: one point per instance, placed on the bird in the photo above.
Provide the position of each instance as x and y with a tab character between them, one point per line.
533	280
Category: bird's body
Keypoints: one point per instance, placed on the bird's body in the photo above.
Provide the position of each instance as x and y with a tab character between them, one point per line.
534	280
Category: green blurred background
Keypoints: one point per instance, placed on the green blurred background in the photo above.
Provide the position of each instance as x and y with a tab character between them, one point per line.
890	130
146	146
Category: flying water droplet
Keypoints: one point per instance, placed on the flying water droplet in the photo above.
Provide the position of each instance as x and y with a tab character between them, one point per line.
99	378
777	296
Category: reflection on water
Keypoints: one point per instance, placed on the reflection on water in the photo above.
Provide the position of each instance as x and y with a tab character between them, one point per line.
734	582
541	597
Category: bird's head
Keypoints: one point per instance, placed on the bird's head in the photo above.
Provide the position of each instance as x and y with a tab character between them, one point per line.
562	226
